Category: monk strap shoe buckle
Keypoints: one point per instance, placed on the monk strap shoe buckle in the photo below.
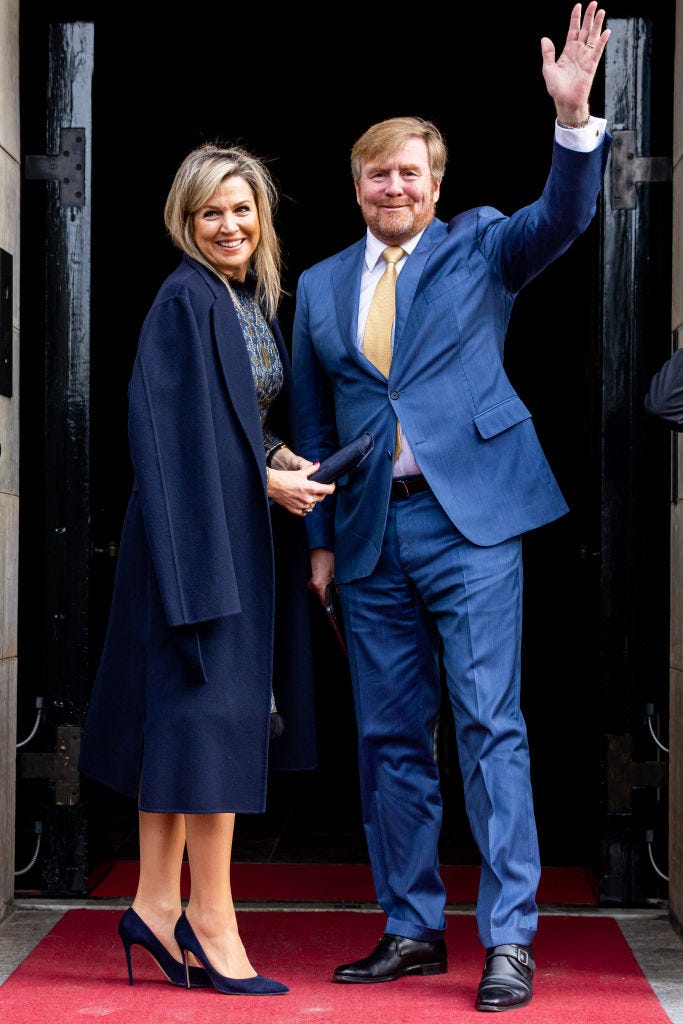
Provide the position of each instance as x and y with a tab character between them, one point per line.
522	956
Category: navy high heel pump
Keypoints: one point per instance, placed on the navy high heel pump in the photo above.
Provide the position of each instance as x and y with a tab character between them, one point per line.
256	986
134	932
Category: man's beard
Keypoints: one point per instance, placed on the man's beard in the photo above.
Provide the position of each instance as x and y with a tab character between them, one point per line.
401	222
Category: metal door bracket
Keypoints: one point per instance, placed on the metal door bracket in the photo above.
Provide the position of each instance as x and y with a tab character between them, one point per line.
628	169
625	774
67	167
60	767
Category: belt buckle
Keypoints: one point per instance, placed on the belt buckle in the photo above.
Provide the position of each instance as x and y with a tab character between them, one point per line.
404	483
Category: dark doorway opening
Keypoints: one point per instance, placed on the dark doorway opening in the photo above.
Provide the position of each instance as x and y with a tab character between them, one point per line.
300	99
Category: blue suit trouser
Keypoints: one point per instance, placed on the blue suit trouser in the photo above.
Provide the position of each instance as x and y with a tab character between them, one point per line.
433	589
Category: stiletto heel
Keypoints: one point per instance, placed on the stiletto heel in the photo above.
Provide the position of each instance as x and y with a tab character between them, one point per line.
256	986
134	932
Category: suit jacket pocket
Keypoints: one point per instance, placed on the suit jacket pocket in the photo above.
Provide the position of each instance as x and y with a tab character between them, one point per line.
500	417
448	283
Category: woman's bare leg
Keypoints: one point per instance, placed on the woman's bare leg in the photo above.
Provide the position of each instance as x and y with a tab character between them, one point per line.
210	910
157	900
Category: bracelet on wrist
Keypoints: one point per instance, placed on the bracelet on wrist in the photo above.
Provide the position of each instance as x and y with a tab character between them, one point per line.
573	124
267	477
271	451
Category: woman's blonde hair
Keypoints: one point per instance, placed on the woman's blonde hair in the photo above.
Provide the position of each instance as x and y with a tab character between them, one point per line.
196	180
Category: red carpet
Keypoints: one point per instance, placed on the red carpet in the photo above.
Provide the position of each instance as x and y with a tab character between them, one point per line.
344	883
586	974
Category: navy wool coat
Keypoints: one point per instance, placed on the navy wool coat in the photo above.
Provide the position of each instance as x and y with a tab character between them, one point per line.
180	710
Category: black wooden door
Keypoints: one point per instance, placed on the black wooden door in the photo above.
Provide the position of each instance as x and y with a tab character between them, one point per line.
633	464
583	339
55	546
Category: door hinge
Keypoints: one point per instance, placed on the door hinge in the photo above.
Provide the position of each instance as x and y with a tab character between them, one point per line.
67	167
628	169
625	774
60	767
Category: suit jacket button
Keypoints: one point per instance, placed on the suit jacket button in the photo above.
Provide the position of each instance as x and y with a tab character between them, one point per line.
394	395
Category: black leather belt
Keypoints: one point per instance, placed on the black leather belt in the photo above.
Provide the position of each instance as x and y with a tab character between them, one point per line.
403	486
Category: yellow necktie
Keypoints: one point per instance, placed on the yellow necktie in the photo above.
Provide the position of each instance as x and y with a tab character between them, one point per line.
377	336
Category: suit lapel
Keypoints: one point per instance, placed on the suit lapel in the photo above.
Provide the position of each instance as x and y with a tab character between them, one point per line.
346	277
407	285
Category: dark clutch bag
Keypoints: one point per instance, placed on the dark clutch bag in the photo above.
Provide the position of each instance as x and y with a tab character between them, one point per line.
344	460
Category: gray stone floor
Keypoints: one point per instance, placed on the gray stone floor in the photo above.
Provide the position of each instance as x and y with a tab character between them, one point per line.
655	944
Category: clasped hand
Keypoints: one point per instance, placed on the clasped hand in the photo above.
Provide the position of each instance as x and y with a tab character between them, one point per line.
288	484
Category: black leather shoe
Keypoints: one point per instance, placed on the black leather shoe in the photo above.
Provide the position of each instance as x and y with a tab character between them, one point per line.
394	956
506	980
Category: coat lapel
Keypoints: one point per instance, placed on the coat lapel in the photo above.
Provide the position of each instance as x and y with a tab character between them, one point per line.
234	360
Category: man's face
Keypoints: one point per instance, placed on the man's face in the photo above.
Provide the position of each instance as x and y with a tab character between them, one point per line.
397	194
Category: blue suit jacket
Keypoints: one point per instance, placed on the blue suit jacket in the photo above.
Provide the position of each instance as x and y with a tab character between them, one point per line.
470	432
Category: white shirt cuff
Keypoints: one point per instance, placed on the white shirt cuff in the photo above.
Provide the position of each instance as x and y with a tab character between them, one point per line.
583	140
